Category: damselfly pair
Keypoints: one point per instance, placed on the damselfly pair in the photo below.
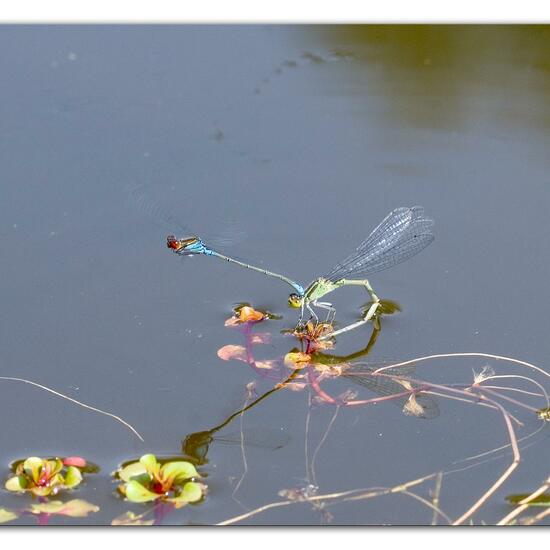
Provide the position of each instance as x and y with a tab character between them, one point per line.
403	233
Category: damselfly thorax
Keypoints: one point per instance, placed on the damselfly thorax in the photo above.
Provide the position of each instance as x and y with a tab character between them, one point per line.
319	288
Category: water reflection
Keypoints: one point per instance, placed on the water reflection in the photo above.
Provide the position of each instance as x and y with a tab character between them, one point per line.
313	364
197	445
449	76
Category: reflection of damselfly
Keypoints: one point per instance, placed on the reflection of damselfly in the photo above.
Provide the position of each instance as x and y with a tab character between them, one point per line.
394	384
402	234
197	444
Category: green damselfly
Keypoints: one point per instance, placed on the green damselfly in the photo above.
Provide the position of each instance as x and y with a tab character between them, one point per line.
403	233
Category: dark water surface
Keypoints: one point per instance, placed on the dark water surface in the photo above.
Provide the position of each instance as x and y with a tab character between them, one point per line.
301	139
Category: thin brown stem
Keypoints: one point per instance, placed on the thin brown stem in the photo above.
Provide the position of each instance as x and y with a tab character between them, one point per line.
515	462
79	403
537	518
435	496
343	496
321	442
466	354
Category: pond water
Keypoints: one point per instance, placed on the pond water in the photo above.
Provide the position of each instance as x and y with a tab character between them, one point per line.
291	143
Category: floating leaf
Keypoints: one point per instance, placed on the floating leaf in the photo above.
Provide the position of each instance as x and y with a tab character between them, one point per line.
33	466
248	314
17	483
131	471
191	492
136	492
73	477
162	480
45	477
150	463
180	471
7	515
245	313
55	466
77	461
44	491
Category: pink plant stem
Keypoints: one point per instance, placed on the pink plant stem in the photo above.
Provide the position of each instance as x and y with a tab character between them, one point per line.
248	335
509	399
247	331
161	510
43	517
359	402
473	398
314	383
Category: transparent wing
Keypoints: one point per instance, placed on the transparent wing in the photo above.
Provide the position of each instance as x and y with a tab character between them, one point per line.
264	438
231	234
419	405
157	213
403	233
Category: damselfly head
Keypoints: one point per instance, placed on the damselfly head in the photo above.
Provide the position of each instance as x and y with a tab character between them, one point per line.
183	246
295	301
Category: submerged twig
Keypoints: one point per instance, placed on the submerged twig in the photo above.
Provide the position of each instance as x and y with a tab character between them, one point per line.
477	397
435	497
537	518
513	441
495	450
320	444
306	438
243	453
344	496
117	418
436	510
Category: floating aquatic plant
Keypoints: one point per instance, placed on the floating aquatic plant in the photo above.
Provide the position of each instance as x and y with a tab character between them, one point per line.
173	482
315	335
44	477
245	313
